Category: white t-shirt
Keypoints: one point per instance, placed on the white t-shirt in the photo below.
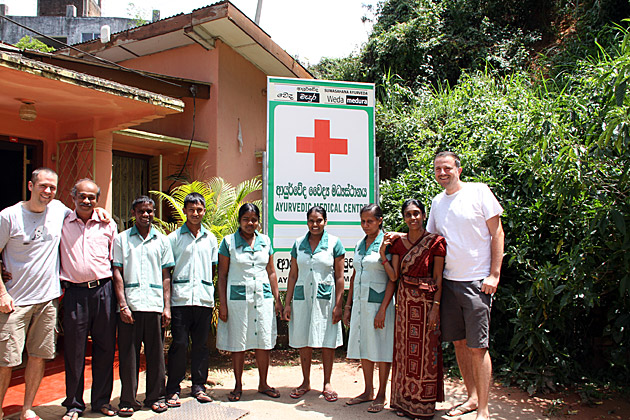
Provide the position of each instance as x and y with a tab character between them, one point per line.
461	219
30	251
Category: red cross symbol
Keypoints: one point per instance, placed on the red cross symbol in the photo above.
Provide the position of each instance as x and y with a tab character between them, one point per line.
322	146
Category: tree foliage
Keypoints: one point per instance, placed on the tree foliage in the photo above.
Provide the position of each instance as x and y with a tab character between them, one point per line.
28	43
222	204
557	158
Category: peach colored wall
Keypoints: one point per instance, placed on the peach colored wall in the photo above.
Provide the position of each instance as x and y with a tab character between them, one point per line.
103	172
241	90
191	62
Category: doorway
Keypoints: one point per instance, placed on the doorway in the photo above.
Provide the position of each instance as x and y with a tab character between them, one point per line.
18	159
130	179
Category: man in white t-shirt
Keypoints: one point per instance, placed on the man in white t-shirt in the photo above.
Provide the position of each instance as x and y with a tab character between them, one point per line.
29	239
468	216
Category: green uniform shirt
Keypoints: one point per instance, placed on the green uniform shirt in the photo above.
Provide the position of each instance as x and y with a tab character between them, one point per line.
142	261
192	276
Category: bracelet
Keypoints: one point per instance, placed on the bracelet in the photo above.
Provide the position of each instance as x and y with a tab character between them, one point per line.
123	308
437	302
386	261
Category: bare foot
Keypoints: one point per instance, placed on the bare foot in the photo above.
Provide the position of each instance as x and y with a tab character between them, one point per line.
28	414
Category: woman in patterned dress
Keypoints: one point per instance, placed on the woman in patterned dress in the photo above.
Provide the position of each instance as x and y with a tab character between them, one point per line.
417	264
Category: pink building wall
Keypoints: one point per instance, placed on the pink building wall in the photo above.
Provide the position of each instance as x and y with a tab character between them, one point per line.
238	91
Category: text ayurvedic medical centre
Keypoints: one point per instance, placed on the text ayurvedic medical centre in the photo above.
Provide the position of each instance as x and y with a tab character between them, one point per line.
320	152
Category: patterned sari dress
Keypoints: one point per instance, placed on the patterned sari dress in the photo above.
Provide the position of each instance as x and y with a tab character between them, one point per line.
417	377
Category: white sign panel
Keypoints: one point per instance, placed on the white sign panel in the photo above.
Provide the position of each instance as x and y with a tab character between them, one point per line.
320	152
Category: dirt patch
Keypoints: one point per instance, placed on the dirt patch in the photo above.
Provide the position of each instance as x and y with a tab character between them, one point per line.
506	403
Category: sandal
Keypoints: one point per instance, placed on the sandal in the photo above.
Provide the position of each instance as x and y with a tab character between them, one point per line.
125	411
357	400
159	407
172	401
106	410
298	392
330	396
376	407
202	397
71	415
234	396
271	392
459	410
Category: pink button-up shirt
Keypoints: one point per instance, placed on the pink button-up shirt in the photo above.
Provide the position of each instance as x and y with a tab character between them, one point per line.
86	250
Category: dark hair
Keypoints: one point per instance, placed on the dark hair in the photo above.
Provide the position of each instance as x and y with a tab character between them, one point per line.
446	153
412	202
38	171
317	209
142	200
246	208
375	210
194	198
75	189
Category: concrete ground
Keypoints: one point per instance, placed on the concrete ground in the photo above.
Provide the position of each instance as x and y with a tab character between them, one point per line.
348	381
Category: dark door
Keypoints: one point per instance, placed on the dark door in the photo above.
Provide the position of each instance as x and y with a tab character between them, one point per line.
130	178
18	159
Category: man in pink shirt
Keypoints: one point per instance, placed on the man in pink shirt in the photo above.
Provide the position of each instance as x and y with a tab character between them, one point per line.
89	303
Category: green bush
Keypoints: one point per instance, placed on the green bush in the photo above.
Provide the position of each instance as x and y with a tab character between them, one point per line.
557	159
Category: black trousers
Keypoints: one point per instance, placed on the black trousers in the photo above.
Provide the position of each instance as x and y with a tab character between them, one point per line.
188	322
89	312
147	329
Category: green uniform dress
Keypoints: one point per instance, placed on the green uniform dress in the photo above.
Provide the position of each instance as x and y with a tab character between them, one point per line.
370	281
314	295
251	320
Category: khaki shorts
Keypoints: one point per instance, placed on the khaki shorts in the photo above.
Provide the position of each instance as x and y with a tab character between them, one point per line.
465	313
30	324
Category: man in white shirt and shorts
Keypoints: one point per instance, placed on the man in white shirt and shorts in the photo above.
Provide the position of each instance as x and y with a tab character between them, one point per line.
29	239
468	215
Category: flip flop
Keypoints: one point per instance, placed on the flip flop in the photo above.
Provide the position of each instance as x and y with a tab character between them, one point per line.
357	400
106	410
459	410
235	396
70	415
202	397
159	407
125	411
173	401
270	392
376	407
298	392
330	396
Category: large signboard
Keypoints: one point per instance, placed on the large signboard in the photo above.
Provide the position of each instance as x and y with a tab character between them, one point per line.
320	151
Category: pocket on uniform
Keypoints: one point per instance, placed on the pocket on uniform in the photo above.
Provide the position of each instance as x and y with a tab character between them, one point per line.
180	281
267	291
238	292
298	294
324	291
376	297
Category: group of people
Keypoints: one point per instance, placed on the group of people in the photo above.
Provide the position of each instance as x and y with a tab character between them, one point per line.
408	293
